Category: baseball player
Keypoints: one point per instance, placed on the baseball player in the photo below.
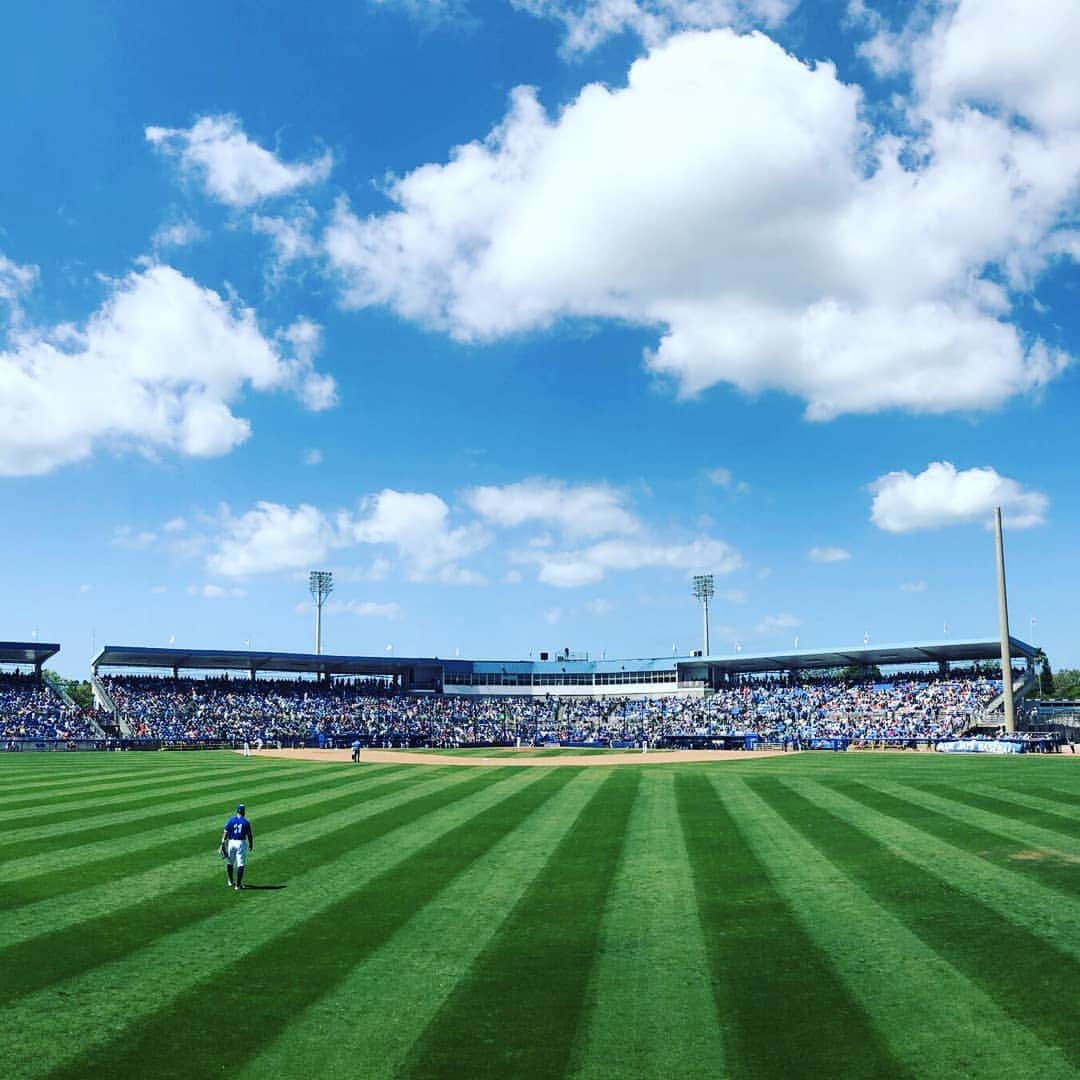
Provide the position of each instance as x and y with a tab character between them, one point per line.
236	841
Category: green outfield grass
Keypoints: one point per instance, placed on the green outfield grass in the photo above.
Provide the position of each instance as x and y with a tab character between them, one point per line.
848	915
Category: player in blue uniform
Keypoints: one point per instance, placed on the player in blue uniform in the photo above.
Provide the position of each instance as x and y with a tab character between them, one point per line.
236	840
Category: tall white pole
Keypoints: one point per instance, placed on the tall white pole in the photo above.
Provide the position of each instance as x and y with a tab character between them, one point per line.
706	610
321	583
1003	622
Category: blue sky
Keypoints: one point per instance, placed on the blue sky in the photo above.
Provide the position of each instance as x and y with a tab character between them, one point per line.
516	316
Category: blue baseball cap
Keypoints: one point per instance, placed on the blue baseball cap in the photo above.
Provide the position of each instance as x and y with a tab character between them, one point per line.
240	808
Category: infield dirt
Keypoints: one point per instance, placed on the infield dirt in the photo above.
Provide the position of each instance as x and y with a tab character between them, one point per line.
404	757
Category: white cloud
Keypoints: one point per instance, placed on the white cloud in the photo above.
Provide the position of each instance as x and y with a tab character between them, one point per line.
941	495
85	588
733	198
291	238
772	624
599	607
174	525
15	282
178	234
377	570
270	538
124	536
724	478
157	590
234	170
1012	54
587	566
553	616
304	338
913	586
367	609
157	367
313	457
589	23
583	512
428	13
216	592
828	554
417	526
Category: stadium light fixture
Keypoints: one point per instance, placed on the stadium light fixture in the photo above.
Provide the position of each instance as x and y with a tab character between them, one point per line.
321	583
703	590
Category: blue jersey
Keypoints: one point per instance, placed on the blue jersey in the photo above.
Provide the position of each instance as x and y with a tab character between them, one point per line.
238	828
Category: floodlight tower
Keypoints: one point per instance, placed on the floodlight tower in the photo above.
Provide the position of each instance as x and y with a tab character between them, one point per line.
703	590
322	585
1003	623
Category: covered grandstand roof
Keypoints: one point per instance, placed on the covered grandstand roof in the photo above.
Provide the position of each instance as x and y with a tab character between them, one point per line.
910	653
227	660
26	652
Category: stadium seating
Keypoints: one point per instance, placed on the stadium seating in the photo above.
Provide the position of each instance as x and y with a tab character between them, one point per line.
31	709
291	711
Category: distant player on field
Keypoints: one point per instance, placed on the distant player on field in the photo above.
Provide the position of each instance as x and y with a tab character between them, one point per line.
236	841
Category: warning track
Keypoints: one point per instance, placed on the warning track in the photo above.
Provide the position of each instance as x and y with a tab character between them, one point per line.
517	758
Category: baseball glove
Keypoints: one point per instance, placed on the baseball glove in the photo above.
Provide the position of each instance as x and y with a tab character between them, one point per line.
222	851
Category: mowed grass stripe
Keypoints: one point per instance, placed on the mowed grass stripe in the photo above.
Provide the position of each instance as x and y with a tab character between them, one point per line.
1050	794
170	807
903	830
782	1008
1009	808
122	856
45	806
76	801
115	999
129	925
156	837
1060	808
1024	835
99	770
398	989
164	806
1021	972
179	1041
652	951
991	847
306	821
938	1023
519	1010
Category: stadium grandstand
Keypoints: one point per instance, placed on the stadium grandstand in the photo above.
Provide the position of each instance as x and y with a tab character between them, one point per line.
32	710
885	695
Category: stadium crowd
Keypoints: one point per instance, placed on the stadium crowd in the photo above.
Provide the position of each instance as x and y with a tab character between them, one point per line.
31	709
290	712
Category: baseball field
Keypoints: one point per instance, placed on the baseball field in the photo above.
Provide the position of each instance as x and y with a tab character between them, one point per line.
816	915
